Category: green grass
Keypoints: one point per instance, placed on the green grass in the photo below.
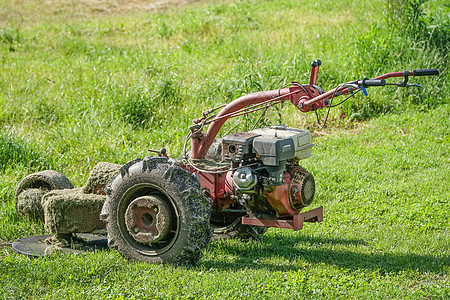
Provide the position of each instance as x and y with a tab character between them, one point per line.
80	84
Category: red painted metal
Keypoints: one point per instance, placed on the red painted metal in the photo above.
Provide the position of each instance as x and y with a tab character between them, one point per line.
200	146
200	143
148	219
394	74
229	183
313	77
306	93
281	197
219	186
295	223
216	186
307	103
247	110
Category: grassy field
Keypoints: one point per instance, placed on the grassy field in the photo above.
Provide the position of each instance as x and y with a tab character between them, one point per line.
89	81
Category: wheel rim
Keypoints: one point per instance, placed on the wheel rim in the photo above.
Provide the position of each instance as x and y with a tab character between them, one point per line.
148	219
138	220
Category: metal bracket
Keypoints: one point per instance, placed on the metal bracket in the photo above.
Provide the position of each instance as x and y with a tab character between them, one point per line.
296	223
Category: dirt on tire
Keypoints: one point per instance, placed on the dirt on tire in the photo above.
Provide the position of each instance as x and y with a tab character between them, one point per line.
163	178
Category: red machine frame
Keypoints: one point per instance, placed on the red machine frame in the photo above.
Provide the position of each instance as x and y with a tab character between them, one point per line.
304	97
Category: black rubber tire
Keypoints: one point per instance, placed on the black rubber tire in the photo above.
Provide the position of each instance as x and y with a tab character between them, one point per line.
190	229
236	230
47	180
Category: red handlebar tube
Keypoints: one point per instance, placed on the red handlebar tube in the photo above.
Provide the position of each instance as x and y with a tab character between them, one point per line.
394	74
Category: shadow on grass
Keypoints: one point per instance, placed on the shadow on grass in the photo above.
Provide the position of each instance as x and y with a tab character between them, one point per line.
316	250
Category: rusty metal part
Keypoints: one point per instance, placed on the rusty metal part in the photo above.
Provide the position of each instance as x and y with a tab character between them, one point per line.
303	188
297	192
201	147
295	223
148	219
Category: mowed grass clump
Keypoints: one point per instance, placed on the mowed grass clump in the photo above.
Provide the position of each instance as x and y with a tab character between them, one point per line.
80	85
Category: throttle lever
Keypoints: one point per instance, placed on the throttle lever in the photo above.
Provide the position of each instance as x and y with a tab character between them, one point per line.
405	83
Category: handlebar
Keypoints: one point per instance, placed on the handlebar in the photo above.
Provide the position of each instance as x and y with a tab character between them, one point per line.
305	97
372	82
325	99
377	81
425	72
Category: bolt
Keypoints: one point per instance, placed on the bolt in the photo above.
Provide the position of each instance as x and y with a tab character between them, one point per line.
206	192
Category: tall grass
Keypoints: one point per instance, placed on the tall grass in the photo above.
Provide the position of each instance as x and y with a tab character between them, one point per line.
411	37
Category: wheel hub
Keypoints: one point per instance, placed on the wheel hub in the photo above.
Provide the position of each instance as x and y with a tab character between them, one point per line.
148	219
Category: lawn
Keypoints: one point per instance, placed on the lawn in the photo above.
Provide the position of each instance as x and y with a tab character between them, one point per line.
90	81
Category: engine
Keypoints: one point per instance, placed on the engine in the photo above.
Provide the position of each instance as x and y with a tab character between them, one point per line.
267	179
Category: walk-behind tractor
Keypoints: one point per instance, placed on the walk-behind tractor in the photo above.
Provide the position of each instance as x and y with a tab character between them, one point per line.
160	209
